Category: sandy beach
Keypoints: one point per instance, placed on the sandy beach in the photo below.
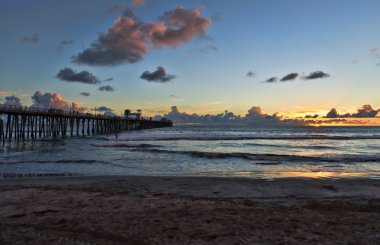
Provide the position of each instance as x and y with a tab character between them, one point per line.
189	210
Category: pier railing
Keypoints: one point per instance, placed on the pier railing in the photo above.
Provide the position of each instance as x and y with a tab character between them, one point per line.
20	122
52	111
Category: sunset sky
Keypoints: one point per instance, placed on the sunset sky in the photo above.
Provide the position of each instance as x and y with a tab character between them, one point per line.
213	55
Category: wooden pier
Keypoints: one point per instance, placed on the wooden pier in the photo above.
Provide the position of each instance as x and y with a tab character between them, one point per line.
20	122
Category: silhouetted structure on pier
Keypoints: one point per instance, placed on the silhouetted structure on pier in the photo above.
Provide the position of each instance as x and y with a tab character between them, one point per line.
20	122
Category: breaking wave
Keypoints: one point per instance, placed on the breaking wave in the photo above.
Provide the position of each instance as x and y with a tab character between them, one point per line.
274	158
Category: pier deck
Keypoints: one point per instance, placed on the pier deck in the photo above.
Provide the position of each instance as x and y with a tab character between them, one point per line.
22	122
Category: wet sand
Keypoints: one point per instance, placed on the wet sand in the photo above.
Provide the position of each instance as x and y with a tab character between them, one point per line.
189	210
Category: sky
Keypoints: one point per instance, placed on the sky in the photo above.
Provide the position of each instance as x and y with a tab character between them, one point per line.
294	57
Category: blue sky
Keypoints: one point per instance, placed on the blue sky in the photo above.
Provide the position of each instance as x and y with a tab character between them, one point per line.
270	38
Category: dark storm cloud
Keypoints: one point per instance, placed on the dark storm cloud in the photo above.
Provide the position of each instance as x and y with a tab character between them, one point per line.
69	75
158	75
289	77
129	40
103	108
271	80
316	75
106	88
31	39
86	94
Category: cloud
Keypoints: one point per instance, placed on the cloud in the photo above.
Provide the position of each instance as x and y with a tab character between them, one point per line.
250	74
316	75
216	16
366	111
355	61
159	75
106	88
129	40
5	92
86	94
208	48
54	100
12	100
76	107
375	52
125	42
69	75
113	8
312	116
103	108
34	38
108	79
256	113
64	43
137	3
289	77
179	26
254	116
271	80
333	113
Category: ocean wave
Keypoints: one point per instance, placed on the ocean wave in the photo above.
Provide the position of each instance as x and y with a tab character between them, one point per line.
229	138
121	145
83	161
310	147
268	158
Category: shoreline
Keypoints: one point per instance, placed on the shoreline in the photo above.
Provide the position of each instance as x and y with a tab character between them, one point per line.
228	187
188	210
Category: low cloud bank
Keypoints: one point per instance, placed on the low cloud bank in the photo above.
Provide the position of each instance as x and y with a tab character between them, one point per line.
255	115
366	111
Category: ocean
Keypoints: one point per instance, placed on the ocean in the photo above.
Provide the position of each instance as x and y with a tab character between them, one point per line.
203	150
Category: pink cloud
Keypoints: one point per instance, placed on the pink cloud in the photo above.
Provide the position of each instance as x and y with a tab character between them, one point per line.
54	100
129	40
179	26
137	2
5	92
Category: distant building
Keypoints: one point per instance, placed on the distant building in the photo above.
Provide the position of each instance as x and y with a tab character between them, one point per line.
133	115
